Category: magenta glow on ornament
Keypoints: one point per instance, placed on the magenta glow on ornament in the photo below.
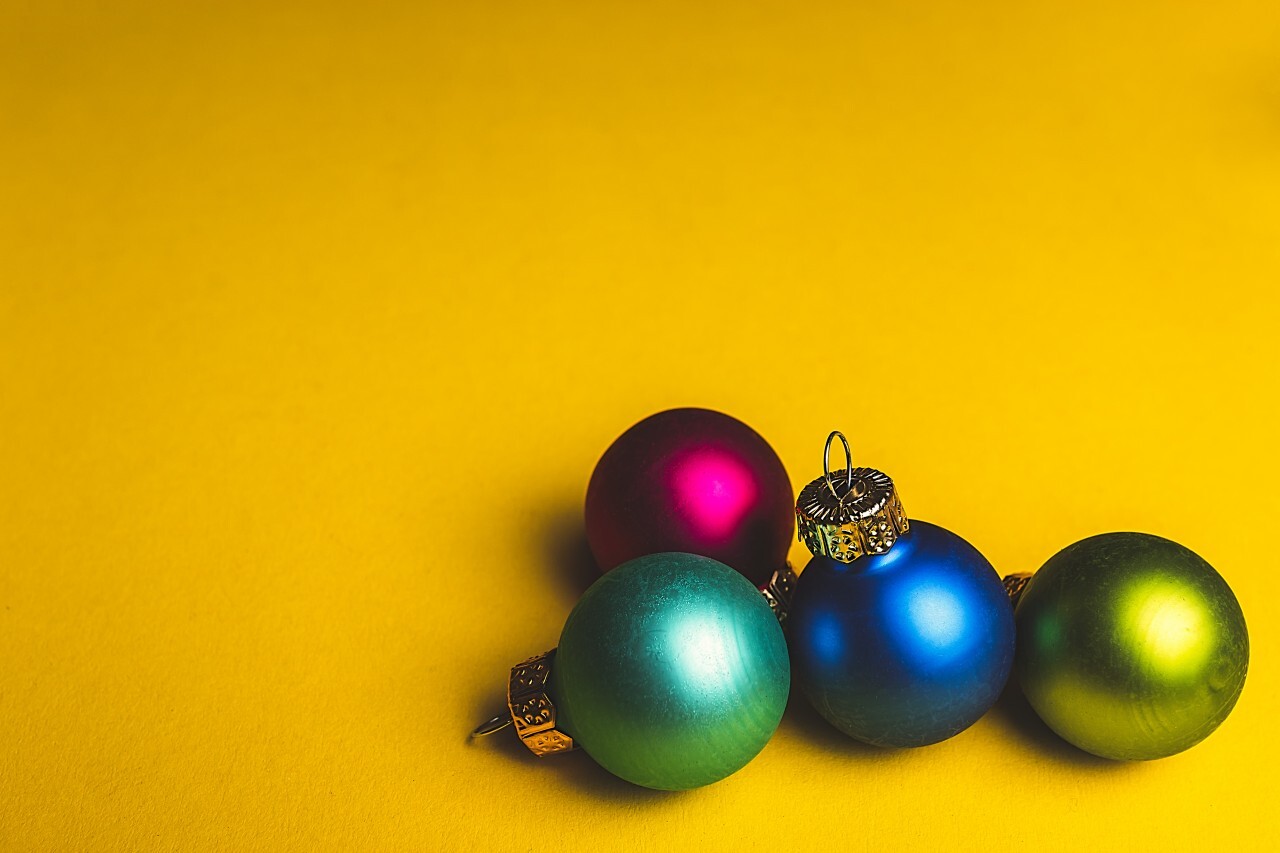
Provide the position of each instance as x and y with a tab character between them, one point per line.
696	481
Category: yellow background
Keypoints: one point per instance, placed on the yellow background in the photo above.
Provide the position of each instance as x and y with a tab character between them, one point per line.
314	319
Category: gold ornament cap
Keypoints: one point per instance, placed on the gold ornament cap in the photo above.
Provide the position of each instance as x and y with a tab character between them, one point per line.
532	711
851	513
1015	584
530	708
777	592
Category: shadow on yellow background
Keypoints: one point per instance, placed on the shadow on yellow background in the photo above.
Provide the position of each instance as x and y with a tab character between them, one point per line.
315	317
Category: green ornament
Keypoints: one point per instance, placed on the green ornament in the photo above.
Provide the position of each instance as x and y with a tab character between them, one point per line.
1130	646
672	672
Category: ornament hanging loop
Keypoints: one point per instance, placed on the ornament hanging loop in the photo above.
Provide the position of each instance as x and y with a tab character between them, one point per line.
848	463
488	727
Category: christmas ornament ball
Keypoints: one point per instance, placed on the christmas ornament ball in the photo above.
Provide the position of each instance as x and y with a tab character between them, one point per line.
904	648
672	671
1130	646
695	481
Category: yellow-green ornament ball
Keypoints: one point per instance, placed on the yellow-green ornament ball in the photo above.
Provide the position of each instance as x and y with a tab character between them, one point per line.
1130	646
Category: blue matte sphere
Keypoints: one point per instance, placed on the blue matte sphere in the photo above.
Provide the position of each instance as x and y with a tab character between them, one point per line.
906	648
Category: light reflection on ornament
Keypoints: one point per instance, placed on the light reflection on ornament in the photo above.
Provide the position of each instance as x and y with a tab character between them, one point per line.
936	614
826	638
715	490
1161	616
701	651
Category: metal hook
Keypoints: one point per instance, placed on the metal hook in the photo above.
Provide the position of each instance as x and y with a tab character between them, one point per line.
848	463
488	727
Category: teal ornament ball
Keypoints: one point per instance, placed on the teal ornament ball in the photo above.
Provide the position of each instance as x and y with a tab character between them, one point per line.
1130	646
672	671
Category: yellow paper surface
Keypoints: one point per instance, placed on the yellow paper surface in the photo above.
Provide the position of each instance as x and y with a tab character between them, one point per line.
314	318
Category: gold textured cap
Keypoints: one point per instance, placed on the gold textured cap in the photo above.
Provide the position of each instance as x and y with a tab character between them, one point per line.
1015	584
778	591
532	711
850	513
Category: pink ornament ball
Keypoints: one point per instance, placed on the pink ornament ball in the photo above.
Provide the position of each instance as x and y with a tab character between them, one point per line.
696	481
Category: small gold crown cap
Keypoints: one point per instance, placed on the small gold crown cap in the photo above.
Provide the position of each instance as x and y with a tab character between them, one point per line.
851	512
532	711
530	708
1016	584
777	592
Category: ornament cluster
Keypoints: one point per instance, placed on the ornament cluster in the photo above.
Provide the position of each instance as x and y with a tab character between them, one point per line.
674	668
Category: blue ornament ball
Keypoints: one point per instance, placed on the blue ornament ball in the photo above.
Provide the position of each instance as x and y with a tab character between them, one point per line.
905	648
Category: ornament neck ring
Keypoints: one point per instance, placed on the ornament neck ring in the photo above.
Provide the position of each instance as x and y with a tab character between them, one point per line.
848	463
488	727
